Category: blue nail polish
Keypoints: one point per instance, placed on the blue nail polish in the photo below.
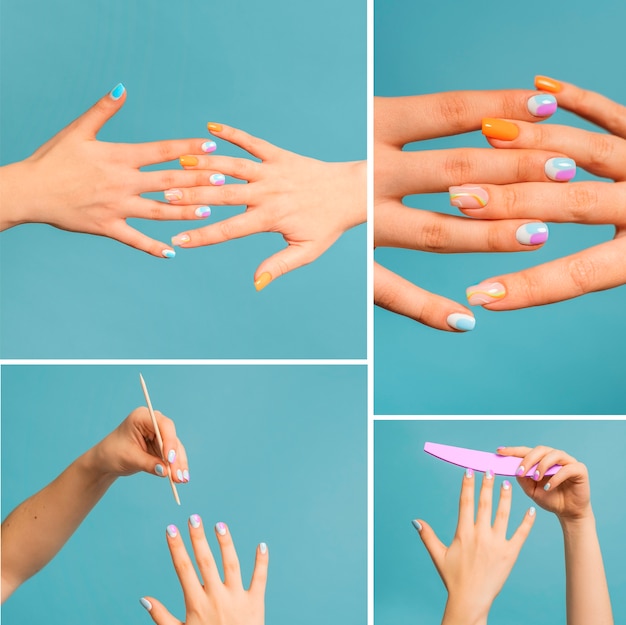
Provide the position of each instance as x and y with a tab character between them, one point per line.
532	511
462	322
186	475
169	253
217	179
145	603
263	548
194	519
560	169
171	456
118	91
532	234
469	473
489	474
209	146
417	525
203	211
179	475
159	470
506	485
547	487
542	105
172	531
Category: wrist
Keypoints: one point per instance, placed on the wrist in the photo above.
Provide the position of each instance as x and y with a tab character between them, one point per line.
14	192
354	176
579	522
464	612
95	468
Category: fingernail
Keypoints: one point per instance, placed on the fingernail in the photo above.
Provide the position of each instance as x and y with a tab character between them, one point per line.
417	525
542	105
489	474
521	471
203	211
532	511
262	281
172	531
217	179
547	486
468	196
469	473
263	548
560	169
500	129
145	603
185	475
209	146
117	92
506	484
536	476
485	293
179	475
171	456
159	470
221	528
173	194
188	161
168	253
462	322
213	127
499	449
194	519
548	84
179	239
532	234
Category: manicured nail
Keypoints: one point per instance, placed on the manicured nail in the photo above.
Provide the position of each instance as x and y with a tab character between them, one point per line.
145	603
172	531
536	476
168	253
263	548
499	449
500	129
203	211
532	511
194	519
188	161
560	169
185	475
217	179
117	92
221	528
547	486
468	196
179	239
489	474
542	105
532	234
171	456
469	473
506	485
209	146
417	525
179	475
213	127
262	281
521	471
159	470
462	322
548	84
173	195
485	293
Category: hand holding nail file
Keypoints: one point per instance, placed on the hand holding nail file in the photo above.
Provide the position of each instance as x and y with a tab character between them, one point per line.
481	460
159	438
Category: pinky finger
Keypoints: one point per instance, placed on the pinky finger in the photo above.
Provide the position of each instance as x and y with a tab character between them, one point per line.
290	258
236	227
159	613
521	534
259	575
568	472
255	146
129	236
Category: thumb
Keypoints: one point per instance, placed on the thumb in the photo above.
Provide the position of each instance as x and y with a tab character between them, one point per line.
159	613
288	259
92	120
436	549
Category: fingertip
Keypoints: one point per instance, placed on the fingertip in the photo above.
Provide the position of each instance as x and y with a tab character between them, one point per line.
117	92
168	253
195	521
263	549
417	524
262	281
146	603
461	322
548	84
221	529
181	239
535	233
171	531
214	127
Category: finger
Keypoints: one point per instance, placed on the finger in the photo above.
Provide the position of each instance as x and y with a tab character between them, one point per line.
221	195
576	471
466	505
255	146
289	258
587	104
518	452
171	180
527	465
578	202
600	154
554	457
436	549
203	554
504	509
230	561
192	589
259	575
162	211
143	154
240	168
90	122
171	446
159	613
483	516
401	120
124	233
400	296
594	269
521	534
241	225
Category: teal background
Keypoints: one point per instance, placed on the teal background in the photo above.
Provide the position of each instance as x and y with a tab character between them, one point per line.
409	484
291	73
560	359
277	452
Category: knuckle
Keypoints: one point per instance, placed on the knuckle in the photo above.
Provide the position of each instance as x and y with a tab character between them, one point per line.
601	150
495	239
167	179
230	194
165	152
455	112
226	229
527	167
241	168
511	201
583	273
459	167
435	237
582	202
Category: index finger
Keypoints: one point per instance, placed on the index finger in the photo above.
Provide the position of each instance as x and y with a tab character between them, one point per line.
143	154
192	589
466	504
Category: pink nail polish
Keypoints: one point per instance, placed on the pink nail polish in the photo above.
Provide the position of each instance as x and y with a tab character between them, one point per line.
221	528
485	293
179	239
173	195
468	196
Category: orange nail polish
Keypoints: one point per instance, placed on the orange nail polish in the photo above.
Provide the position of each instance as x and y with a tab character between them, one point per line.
188	161
548	84
264	279
213	127
500	129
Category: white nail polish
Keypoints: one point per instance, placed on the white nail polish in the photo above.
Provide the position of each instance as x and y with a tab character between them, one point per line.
263	548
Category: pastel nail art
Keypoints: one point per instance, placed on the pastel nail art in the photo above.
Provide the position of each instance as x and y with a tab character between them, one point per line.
468	196
469	473
213	127
185	475
532	511
203	211
521	471
547	487
417	525
179	475
536	476
208	146
172	531
217	179
179	239
500	129
188	161
499	449
489	474
171	456
220	528
506	485
532	234
262	281
117	92
168	253
560	169
173	195
145	603
159	470
542	105
548	84
263	548
462	322
194	519
485	293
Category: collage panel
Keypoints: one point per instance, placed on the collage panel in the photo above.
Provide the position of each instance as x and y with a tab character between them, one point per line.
276	453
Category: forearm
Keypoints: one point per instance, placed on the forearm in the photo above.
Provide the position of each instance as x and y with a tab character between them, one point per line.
351	179
464	613
588	601
37	529
15	196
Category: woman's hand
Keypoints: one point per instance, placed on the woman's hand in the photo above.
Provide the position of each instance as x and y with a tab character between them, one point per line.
210	601
399	173
592	202
310	202
480	558
75	182
133	447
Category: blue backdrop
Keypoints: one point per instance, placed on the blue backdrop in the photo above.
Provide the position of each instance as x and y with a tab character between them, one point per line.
561	359
409	483
292	73
277	452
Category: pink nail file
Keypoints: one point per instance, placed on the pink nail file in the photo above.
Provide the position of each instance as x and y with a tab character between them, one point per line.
481	460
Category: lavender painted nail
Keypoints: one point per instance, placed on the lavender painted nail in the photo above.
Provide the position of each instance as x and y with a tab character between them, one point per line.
560	169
